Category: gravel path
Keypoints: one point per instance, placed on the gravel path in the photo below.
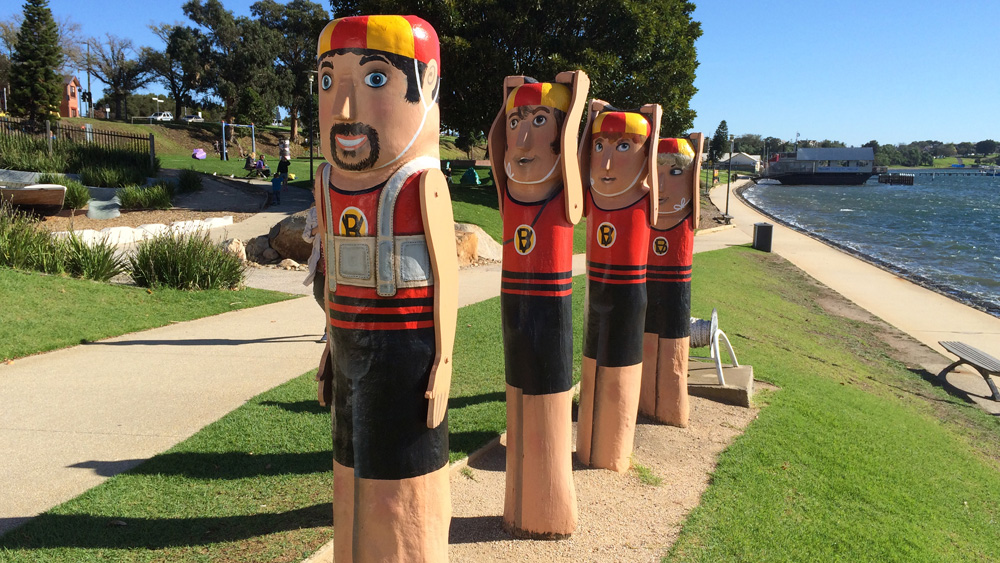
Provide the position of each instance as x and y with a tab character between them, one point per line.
621	519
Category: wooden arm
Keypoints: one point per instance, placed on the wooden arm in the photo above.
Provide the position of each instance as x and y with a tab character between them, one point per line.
439	227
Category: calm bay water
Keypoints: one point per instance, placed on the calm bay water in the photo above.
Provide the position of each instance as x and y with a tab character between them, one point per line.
942	232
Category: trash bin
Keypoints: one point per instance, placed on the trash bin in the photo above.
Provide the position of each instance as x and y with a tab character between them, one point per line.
762	236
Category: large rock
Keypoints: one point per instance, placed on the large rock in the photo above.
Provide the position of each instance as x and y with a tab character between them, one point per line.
466	243
235	247
255	248
486	247
286	238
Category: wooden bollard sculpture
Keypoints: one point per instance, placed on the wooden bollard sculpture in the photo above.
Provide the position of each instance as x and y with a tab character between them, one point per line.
533	153
619	166
666	340
390	248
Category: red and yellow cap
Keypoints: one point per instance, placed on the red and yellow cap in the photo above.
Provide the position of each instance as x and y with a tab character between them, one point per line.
675	146
407	36
550	94
621	122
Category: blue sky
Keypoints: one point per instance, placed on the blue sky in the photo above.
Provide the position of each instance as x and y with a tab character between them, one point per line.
891	70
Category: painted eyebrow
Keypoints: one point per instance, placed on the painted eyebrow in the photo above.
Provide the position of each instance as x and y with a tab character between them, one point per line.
365	59
326	64
522	111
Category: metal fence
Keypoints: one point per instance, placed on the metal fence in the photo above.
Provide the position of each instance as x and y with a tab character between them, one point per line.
80	134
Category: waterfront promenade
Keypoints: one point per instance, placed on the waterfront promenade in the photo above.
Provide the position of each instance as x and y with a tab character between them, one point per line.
925	315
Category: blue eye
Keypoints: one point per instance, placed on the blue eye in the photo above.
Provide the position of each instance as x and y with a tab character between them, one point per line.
375	79
624	146
326	82
539	120
598	146
676	171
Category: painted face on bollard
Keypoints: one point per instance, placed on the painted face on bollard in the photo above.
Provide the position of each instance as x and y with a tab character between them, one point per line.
535	114
618	158
374	105
532	145
675	159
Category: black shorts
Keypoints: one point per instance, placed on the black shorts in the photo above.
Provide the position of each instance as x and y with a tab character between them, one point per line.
379	408
668	313
614	323
538	342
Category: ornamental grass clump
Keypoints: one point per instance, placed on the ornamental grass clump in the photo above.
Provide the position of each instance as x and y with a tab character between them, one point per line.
25	246
98	260
77	195
188	181
157	196
185	261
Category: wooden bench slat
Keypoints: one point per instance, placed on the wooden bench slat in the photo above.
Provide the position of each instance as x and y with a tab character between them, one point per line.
973	355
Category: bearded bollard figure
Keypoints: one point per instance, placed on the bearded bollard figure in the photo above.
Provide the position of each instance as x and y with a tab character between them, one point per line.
533	154
667	337
389	238
619	162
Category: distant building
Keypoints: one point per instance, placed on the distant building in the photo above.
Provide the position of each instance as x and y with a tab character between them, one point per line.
741	161
70	105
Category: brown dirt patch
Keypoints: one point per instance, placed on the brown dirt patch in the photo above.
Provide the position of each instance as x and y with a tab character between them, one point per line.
620	518
710	216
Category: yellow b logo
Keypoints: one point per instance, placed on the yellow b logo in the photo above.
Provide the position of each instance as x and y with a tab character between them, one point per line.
524	239
660	246
353	223
606	235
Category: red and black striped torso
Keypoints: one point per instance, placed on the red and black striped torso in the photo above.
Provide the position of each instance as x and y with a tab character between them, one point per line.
361	308
537	248
616	242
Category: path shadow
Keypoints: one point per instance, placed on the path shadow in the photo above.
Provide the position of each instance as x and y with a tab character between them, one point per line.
108	468
300	407
207	341
222	465
470	441
493	460
476	529
115	532
494	397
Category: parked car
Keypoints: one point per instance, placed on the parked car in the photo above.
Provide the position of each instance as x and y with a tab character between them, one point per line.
162	116
192	119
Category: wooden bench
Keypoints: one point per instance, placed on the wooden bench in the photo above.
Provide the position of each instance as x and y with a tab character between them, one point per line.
984	363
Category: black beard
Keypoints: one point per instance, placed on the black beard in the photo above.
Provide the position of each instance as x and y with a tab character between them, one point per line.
354	129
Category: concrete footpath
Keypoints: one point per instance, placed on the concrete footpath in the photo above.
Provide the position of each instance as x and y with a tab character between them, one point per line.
925	315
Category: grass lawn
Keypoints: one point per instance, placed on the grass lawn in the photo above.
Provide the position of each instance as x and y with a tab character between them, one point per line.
856	458
42	313
256	485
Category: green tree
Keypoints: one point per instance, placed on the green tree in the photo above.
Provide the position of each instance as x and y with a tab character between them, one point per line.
242	54
251	108
750	144
634	52
299	23
985	147
965	148
178	66
775	145
115	63
720	142
36	87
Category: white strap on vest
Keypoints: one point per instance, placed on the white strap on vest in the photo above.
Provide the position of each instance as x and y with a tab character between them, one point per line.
328	246
385	247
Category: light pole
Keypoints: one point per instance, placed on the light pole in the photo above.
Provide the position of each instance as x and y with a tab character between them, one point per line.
157	100
312	74
729	178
